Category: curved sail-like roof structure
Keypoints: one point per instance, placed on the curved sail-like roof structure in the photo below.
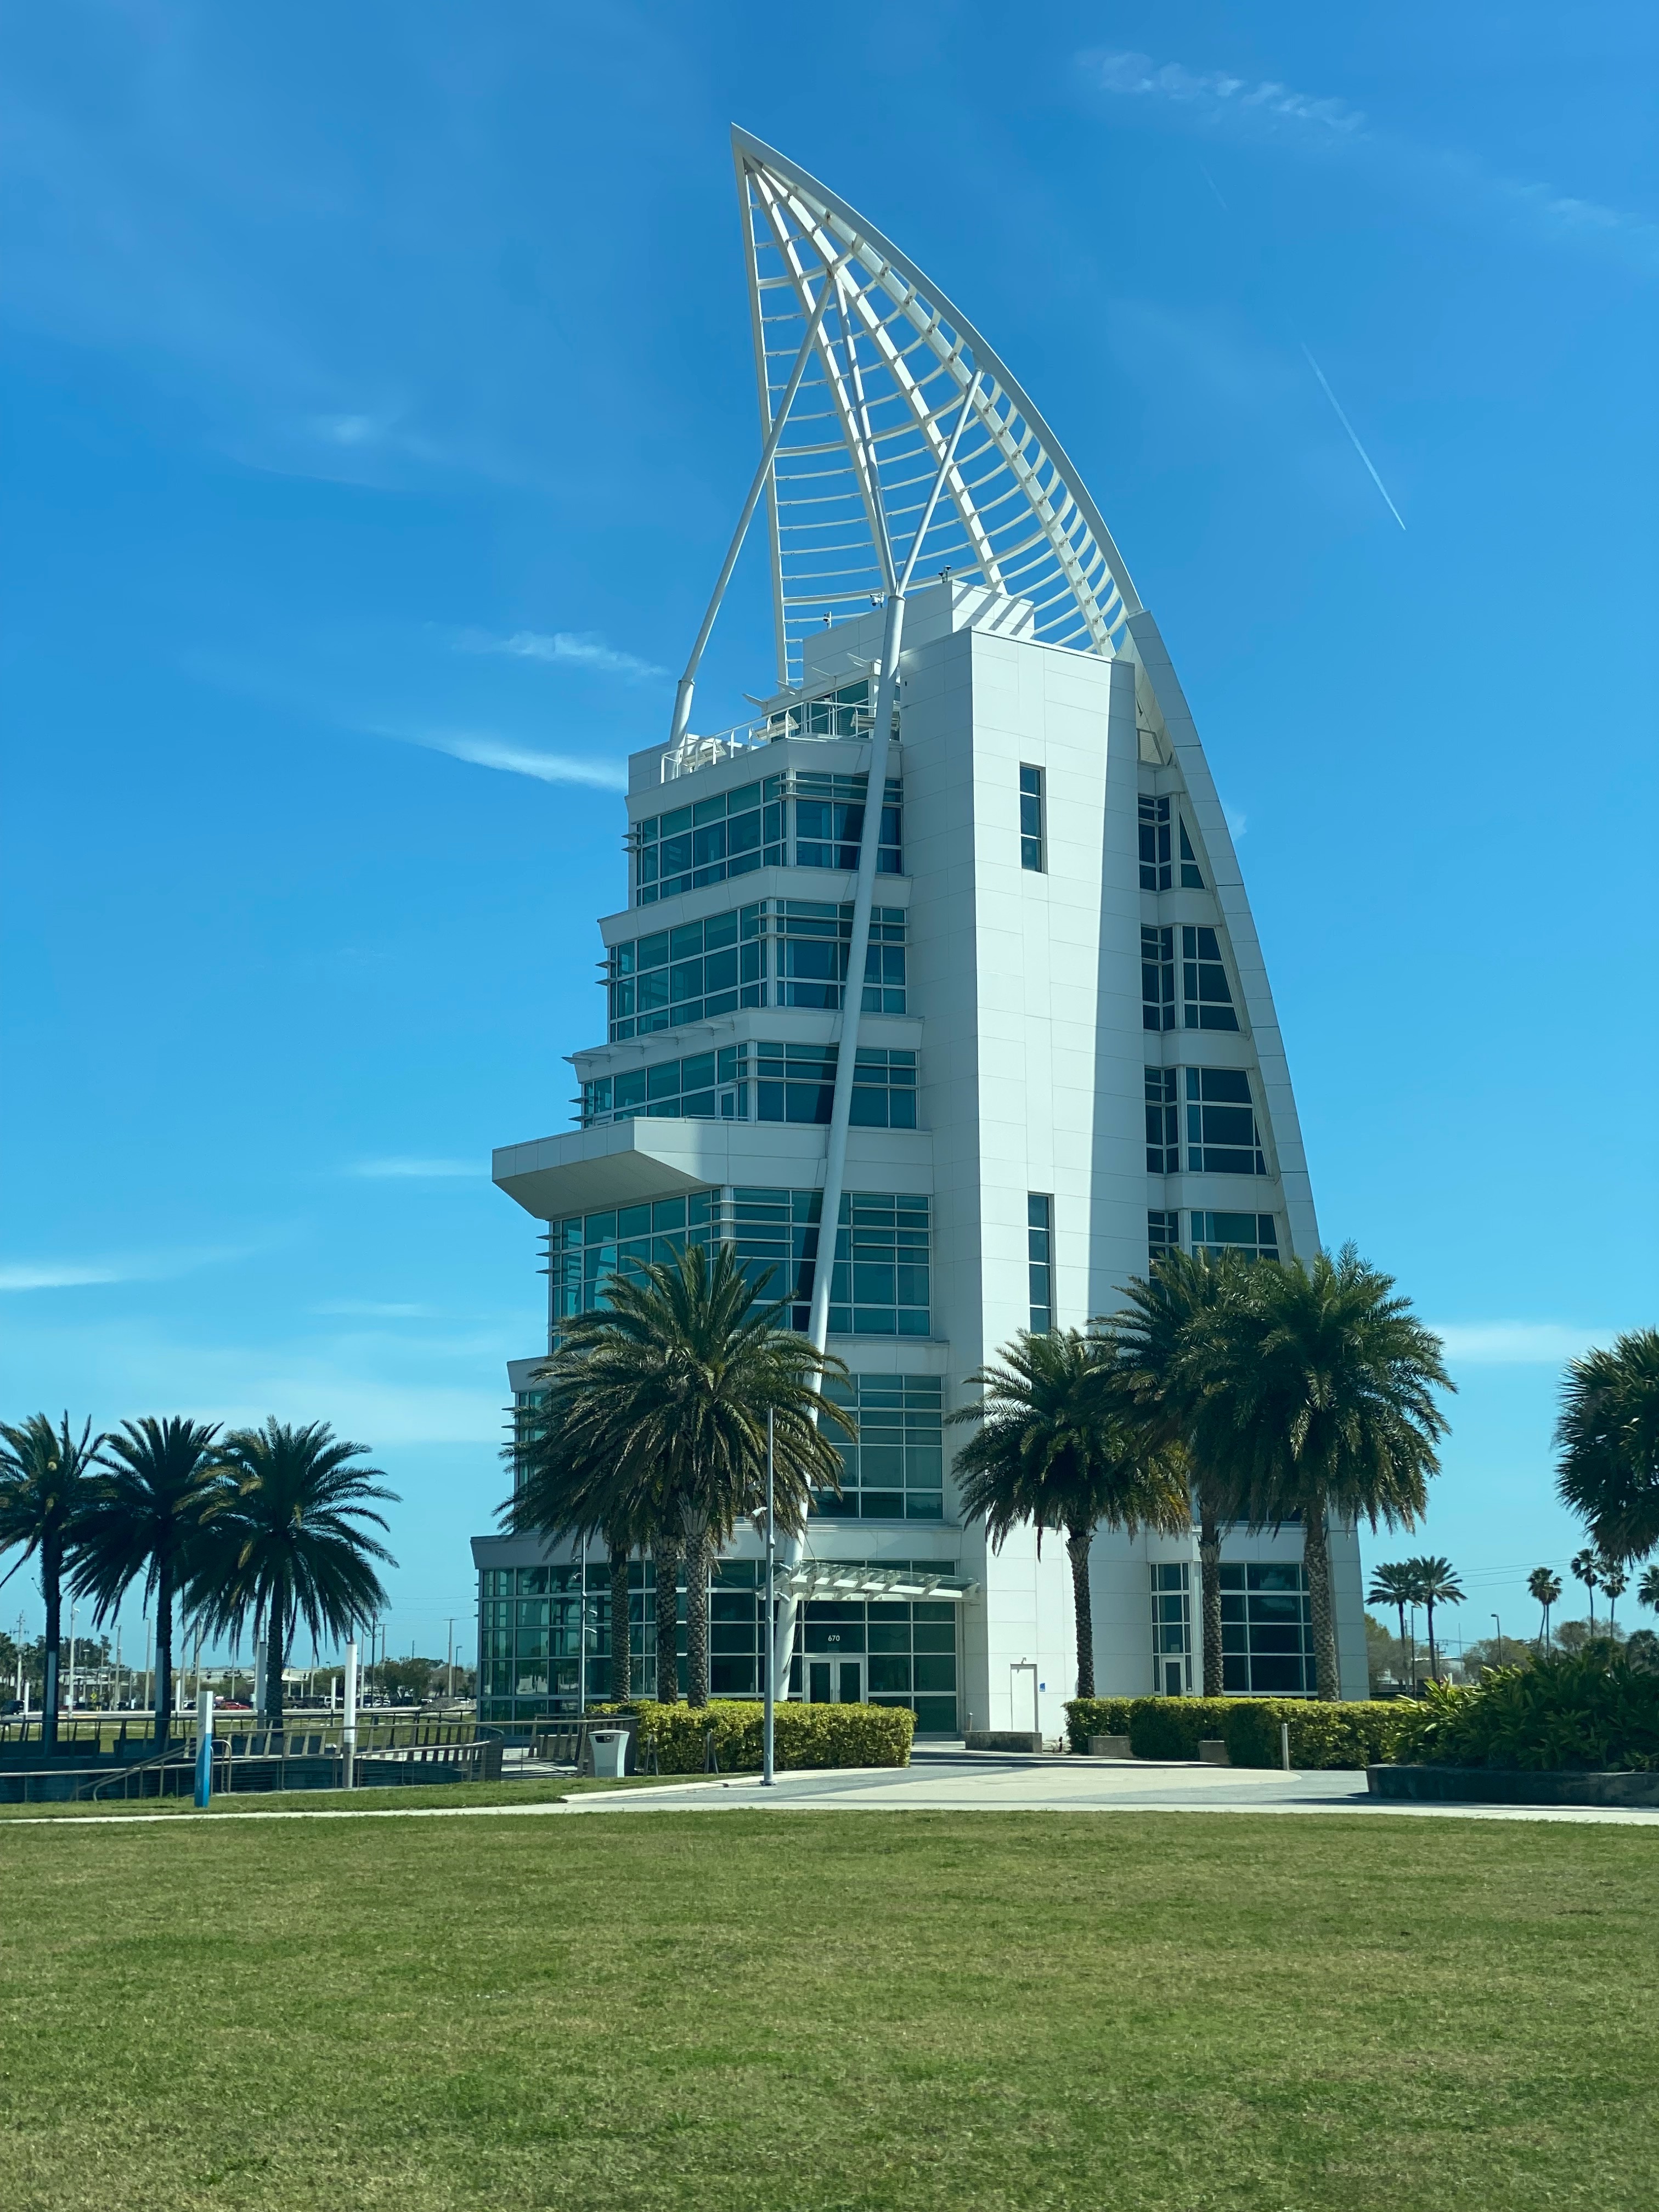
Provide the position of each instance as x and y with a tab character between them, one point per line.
892	361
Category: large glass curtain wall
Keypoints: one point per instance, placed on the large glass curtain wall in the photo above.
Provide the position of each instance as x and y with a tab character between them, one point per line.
536	1628
881	1283
796	820
778	952
759	1082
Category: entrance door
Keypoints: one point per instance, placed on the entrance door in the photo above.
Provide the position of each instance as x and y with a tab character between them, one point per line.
835	1681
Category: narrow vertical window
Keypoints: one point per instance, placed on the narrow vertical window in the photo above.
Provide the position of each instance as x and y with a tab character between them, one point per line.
1155	843
1040	1252
1030	818
1157	968
1163	1233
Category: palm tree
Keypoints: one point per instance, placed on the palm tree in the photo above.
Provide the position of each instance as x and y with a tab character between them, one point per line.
1647	1590
1061	1445
1318	1401
659	1416
1436	1584
157	1484
563	1493
1545	1586
1159	1338
45	1480
286	1542
1396	1585
1614	1582
1608	1437
1585	1567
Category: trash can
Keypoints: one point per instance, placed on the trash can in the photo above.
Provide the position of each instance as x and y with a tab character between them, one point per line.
609	1747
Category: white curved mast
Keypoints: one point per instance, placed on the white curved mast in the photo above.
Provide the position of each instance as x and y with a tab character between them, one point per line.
869	427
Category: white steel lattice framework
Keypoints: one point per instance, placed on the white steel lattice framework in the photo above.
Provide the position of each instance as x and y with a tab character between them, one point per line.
890	364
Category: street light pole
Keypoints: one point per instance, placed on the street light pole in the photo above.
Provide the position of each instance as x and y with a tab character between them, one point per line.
766	1611
1498	1626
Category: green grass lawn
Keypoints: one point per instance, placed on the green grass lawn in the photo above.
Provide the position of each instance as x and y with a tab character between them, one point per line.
1168	2013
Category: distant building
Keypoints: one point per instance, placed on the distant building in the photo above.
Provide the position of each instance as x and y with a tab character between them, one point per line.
1067	1058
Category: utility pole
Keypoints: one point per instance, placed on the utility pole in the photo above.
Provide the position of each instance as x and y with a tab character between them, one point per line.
769	1715
72	1673
449	1665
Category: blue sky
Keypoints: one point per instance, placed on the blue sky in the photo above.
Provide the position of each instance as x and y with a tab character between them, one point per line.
377	399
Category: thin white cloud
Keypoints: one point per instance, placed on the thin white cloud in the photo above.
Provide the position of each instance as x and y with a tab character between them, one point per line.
514	759
577	648
1511	1343
369	1310
56	1275
131	1267
1236	819
414	1169
1217	100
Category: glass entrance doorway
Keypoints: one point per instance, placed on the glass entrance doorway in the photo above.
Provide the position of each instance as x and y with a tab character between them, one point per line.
835	1681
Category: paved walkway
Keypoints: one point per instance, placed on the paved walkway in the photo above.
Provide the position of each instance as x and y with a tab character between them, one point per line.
985	1782
953	1782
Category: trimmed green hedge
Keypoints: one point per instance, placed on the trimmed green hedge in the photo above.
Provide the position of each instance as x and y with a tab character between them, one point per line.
1322	1736
803	1735
1590	1710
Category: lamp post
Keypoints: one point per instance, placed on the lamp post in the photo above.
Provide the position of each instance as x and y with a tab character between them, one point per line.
1498	1626
71	1672
768	1670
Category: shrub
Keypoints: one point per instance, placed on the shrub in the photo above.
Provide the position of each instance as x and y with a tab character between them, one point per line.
803	1735
1322	1736
1087	1716
1589	1709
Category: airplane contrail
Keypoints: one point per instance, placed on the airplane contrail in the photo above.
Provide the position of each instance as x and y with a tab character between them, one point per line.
1354	434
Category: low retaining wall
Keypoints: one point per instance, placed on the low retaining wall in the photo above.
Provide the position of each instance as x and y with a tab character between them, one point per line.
1002	1740
1487	1785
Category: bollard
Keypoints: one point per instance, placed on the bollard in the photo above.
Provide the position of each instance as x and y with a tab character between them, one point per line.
204	1749
1285	1745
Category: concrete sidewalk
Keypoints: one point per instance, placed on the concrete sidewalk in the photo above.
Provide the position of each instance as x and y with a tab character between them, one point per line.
989	1782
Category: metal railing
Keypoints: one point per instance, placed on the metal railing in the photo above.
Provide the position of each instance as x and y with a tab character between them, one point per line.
819	719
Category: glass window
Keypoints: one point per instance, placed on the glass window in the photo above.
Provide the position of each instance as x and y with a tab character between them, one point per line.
1222	1136
793	819
1163	1233
1163	1122
1208	1001
780	952
1172	1629
1155	874
1192	876
1266	1630
881	1280
895	1471
760	1082
1031	827
1158	978
1253	1234
1039	1246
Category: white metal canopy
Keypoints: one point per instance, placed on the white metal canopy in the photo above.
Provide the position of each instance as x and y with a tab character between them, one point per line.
829	1578
893	360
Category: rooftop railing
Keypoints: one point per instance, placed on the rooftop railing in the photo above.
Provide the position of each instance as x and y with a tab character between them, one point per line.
823	718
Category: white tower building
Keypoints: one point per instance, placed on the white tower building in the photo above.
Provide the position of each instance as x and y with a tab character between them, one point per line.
1062	1048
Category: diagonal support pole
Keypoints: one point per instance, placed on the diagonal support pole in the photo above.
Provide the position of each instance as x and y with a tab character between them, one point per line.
835	1155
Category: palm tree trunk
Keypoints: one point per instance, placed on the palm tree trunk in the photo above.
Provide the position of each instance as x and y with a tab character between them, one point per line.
1078	1542
621	1649
699	1566
1316	1557
1434	1659
52	1593
1404	1661
1209	1575
275	1655
665	1552
162	1731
